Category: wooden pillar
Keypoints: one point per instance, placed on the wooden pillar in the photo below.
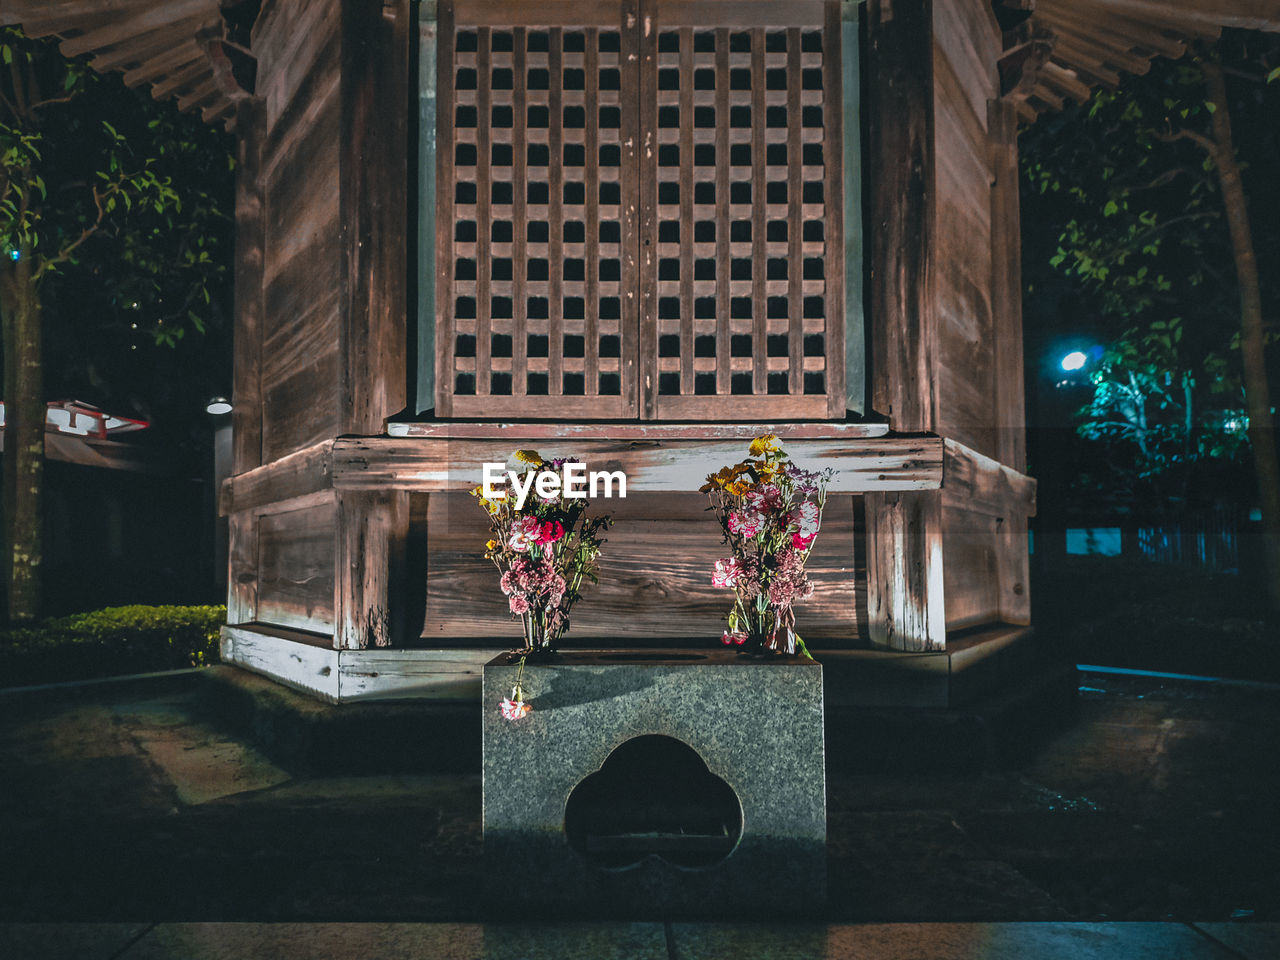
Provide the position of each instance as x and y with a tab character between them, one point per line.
1006	286
899	102
373	212
246	415
372	532
242	568
904	570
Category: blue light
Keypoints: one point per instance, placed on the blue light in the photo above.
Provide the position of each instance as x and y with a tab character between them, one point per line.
1075	360
15	255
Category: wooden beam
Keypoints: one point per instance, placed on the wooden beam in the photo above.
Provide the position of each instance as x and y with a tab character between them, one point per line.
296	475
985	485
1006	285
1208	14
372	531
120	29
242	572
1066	82
159	44
246	412
1074	21
202	93
177	58
380	463
905	609
373	94
180	78
899	103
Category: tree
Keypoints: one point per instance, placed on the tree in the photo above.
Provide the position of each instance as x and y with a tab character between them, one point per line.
1153	202
1169	418
105	201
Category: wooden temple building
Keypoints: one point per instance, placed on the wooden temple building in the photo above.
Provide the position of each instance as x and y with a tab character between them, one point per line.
642	232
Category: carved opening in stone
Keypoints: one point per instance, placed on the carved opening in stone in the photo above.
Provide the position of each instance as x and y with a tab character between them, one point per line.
653	796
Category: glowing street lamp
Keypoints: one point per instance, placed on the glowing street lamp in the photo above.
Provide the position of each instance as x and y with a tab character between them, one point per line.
1073	361
218	406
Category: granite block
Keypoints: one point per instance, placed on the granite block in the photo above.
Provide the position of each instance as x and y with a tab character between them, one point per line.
756	728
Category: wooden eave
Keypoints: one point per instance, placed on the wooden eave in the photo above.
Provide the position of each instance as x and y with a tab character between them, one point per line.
176	47
1066	48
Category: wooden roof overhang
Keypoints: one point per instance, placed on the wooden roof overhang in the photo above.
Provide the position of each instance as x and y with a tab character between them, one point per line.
197	51
1066	48
193	51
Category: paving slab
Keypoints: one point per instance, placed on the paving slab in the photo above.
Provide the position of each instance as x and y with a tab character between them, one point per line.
946	941
1252	941
66	941
400	941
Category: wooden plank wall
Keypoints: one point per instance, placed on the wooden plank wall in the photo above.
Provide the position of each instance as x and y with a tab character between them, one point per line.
295	564
655	575
298	45
966	46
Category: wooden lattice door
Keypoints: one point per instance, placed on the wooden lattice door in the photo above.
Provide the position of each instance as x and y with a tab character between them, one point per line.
639	210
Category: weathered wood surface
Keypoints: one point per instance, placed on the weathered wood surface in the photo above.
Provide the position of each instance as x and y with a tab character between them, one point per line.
296	662
451	674
985	506
242	572
1010	419
246	411
900	106
655	575
905	588
521	432
421	465
985	485
299	47
371	531
295	567
965	50
294	475
373	185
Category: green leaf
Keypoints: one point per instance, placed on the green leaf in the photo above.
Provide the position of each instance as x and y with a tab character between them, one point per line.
1273	75
1110	209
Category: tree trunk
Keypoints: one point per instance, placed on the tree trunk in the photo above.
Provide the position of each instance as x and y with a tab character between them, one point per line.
25	412
1252	337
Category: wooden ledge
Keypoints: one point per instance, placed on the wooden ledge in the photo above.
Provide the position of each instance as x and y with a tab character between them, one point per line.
673	458
672	463
635	431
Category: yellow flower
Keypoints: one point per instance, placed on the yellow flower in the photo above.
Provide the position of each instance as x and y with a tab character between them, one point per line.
762	445
531	457
491	545
738	488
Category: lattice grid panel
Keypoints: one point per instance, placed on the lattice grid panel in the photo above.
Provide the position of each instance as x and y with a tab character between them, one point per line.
540	237
640	215
742	200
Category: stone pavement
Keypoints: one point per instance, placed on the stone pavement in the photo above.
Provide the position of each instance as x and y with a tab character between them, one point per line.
640	941
1157	804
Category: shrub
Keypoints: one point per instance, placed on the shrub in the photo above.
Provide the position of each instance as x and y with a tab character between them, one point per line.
115	640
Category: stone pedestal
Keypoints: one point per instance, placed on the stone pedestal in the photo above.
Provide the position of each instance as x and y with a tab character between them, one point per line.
715	805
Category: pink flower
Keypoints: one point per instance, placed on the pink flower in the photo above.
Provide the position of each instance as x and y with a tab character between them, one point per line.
746	524
524	534
805	518
801	542
763	498
549	532
726	573
735	639
514	709
519	603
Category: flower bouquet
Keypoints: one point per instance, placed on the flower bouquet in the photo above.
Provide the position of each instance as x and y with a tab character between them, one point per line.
543	550
770	511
